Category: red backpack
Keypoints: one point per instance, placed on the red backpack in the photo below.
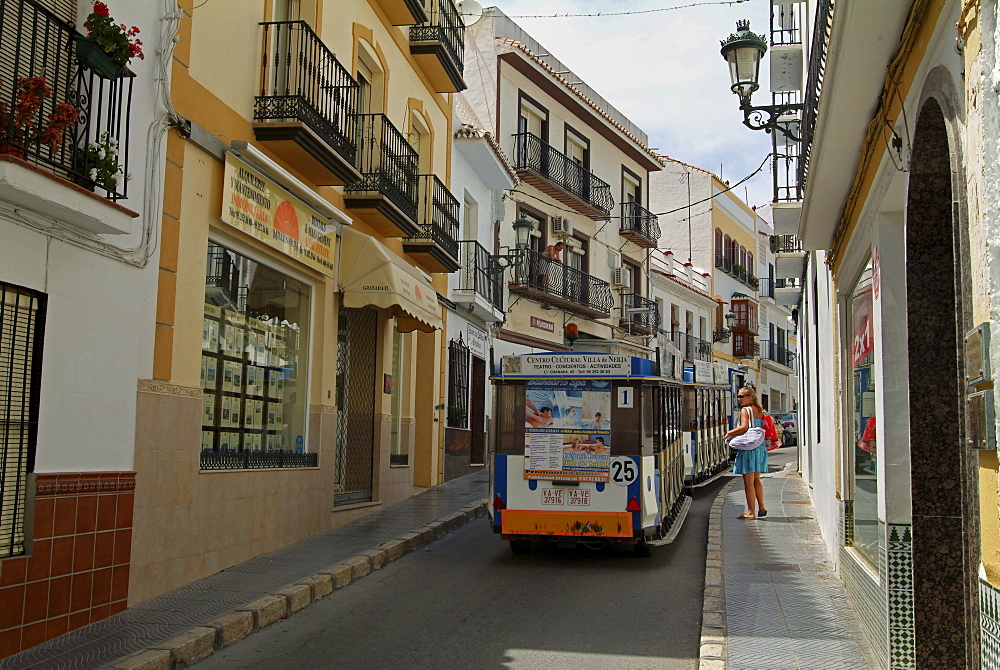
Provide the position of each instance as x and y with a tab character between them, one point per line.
770	433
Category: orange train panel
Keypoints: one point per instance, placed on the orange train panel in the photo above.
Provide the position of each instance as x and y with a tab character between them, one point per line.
598	524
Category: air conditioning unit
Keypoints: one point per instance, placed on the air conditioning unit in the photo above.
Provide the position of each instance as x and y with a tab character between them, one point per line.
561	226
620	278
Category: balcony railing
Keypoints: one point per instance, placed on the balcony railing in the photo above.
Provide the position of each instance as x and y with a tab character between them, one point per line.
736	271
444	25
477	275
534	154
387	162
766	288
693	348
640	313
785	244
38	49
772	351
549	280
822	28
252	460
302	80
437	214
639	224
786	24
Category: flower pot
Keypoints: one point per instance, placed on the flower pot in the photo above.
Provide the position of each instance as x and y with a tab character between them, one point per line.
90	55
11	149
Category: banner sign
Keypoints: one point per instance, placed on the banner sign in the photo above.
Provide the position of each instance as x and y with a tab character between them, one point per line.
562	365
476	339
864	338
567	427
260	208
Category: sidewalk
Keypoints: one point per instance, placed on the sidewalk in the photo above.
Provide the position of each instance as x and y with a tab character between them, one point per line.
188	624
772	598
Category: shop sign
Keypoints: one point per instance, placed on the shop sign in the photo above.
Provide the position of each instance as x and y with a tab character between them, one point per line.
864	337
260	208
567	427
476	339
703	373
562	365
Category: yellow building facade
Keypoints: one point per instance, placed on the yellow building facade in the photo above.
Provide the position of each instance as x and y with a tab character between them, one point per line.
307	232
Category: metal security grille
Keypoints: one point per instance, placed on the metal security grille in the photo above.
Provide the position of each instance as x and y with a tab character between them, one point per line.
355	405
458	384
22	323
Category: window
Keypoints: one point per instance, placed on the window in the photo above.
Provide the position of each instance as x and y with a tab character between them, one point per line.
533	118
864	474
458	384
577	149
22	327
727	248
719	249
254	362
745	328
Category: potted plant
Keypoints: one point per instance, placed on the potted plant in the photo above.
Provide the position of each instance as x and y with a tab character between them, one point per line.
98	164
108	47
22	125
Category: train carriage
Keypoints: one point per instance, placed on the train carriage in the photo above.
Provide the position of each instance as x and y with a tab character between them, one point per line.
588	448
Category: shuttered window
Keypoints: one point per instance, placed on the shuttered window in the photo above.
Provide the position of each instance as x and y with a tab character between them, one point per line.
22	319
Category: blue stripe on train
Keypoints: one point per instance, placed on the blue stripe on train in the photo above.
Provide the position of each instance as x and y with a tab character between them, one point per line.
635	491
499	485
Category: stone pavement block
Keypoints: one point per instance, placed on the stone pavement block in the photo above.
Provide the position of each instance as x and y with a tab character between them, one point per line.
231	628
712	664
191	646
266	610
453	520
298	595
413	541
320	583
341	574
360	566
712	650
152	659
376	557
437	528
713	577
713	619
394	549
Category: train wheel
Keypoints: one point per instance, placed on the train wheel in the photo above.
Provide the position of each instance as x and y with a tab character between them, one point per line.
520	546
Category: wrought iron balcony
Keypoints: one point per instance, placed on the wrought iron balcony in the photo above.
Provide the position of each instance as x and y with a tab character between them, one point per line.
693	348
59	105
766	288
736	271
306	104
564	179
436	246
639	314
386	194
785	244
745	345
247	459
772	351
550	281
639	225
478	284
438	44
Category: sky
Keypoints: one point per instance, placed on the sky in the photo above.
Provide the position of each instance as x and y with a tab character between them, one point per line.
663	70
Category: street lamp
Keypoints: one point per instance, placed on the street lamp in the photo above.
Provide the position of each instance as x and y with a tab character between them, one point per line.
742	51
723	334
522	232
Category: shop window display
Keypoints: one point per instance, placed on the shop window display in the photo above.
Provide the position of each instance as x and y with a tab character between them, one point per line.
254	347
865	469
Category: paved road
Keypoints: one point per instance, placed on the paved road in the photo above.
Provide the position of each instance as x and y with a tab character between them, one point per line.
466	601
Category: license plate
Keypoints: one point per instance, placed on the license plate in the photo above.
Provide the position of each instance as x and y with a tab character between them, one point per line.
580	497
552	496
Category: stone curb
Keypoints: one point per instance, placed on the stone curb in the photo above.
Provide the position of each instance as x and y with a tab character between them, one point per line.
714	638
199	642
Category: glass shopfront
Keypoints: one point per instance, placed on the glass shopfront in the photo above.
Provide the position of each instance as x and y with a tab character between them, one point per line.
253	371
864	473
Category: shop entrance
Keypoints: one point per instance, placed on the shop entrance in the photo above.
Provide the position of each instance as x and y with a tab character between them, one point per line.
356	364
477	411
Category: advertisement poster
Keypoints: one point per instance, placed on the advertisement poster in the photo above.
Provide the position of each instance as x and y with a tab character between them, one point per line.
567	426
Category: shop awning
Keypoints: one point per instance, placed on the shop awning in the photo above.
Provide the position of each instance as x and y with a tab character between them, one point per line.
371	275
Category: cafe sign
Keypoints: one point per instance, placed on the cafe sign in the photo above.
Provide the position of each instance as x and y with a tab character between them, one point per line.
256	205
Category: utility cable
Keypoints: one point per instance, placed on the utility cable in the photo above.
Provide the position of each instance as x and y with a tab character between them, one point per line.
628	13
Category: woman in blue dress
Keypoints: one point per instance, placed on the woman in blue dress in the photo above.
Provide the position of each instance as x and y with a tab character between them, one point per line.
750	462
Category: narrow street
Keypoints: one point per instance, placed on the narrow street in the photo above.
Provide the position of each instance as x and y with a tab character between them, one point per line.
466	601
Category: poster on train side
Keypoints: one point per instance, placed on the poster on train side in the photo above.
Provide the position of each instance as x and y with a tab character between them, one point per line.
567	427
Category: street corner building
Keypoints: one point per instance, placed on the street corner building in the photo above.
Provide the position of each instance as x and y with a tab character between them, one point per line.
885	207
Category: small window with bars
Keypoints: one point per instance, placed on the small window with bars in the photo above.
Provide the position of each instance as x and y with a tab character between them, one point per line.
22	326
458	384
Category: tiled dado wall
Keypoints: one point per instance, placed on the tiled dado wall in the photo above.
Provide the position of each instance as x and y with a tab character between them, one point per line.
989	614
77	568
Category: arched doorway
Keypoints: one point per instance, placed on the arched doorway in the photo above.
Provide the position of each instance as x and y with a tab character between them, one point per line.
945	545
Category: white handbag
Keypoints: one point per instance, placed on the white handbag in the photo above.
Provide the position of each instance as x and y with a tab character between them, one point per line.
751	439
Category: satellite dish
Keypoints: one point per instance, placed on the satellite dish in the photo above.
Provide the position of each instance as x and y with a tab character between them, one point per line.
470	11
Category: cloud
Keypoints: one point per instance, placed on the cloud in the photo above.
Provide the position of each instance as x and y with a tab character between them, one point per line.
663	71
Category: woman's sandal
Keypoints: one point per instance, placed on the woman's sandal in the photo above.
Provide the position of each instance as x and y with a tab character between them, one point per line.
761	514
746	515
